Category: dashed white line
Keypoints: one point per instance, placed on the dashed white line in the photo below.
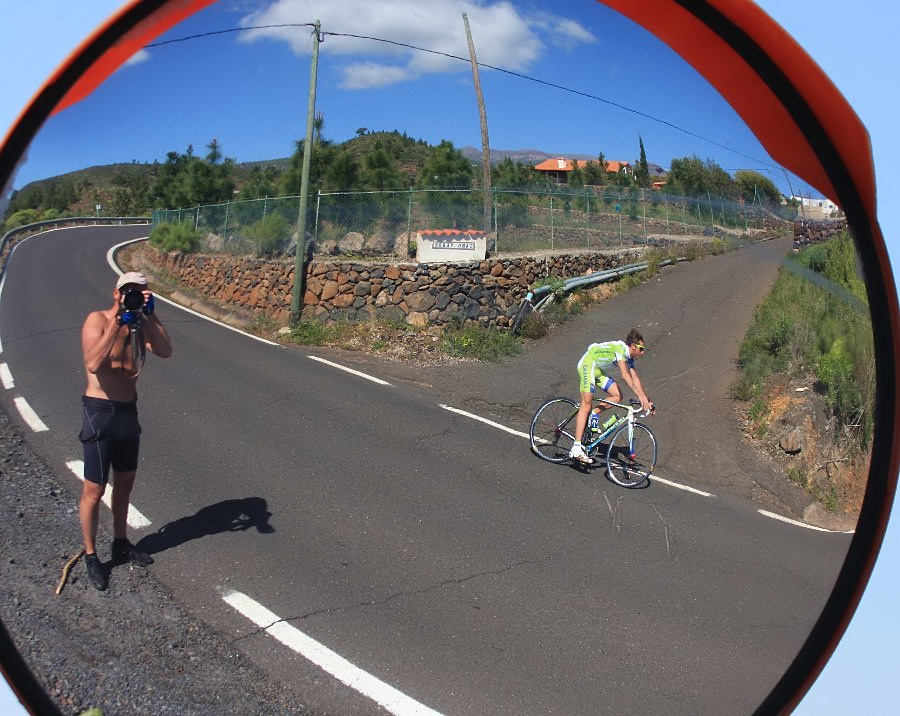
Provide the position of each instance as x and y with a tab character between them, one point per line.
6	376
797	523
350	370
656	478
29	416
135	519
485	420
519	433
389	698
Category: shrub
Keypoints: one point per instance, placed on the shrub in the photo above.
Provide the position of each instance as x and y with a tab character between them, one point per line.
21	218
269	236
312	333
482	343
534	326
808	325
175	237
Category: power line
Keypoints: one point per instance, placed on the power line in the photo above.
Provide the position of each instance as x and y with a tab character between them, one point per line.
564	89
519	75
213	33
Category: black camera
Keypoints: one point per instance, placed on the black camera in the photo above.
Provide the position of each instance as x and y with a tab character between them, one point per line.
133	299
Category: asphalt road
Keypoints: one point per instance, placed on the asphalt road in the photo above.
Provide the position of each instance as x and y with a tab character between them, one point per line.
430	550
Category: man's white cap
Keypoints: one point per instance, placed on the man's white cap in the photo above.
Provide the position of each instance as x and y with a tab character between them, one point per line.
131	277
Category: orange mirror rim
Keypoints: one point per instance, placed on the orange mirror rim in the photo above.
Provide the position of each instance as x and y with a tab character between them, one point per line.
796	113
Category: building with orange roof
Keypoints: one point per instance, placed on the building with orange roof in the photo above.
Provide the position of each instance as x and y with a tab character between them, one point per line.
560	167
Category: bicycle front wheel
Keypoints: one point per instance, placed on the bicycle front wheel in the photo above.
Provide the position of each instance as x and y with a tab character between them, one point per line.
630	464
553	429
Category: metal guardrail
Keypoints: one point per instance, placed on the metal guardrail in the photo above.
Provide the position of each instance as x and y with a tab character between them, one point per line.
38	226
546	294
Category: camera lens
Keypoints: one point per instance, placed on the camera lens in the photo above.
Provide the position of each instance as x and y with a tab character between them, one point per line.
133	299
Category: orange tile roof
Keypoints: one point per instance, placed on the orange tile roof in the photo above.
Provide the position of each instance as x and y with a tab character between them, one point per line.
566	165
451	232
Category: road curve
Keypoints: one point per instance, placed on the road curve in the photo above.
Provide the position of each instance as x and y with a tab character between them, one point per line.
428	550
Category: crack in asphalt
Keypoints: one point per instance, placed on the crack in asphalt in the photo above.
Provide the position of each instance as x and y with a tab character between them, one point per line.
259	630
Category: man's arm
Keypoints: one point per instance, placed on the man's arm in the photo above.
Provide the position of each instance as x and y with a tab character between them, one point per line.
630	376
156	337
98	335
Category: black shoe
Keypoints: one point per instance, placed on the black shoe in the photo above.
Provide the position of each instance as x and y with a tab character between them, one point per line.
123	551
96	572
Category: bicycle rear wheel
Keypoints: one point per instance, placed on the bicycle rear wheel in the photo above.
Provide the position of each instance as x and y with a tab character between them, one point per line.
630	465
553	429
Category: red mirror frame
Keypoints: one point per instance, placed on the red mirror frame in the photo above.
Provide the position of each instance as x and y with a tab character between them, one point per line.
797	114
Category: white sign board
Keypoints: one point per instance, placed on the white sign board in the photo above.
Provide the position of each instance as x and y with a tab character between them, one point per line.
450	245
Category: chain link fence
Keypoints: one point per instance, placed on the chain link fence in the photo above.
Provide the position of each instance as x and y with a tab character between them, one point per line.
381	223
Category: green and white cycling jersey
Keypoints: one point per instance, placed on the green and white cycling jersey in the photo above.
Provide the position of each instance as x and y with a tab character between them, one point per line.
597	357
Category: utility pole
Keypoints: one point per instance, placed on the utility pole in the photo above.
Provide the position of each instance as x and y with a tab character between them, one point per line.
485	144
300	258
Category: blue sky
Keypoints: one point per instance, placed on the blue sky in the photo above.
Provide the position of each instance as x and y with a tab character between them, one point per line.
862	675
249	89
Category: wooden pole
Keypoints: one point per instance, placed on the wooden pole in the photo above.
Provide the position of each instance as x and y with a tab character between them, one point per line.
485	144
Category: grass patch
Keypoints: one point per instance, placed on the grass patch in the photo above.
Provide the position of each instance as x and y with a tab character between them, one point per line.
314	333
821	326
473	341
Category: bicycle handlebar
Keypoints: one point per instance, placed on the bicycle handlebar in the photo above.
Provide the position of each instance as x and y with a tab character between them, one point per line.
634	407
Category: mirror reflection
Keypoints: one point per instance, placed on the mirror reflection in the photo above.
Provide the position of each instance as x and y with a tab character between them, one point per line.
369	477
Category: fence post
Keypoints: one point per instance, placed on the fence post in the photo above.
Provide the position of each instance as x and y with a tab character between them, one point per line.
409	219
496	223
316	222
552	248
644	211
225	229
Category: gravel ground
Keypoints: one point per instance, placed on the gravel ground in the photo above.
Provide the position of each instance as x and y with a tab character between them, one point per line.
129	650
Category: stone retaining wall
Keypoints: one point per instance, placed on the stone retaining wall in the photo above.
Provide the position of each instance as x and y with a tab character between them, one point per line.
487	292
811	232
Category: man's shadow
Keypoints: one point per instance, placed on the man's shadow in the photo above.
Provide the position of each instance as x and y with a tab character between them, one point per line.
226	516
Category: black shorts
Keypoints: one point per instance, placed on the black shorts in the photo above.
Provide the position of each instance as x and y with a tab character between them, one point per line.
111	437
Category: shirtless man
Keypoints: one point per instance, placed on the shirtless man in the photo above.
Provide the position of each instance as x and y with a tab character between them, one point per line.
110	431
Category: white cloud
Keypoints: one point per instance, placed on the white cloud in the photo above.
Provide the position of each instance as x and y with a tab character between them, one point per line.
504	35
138	57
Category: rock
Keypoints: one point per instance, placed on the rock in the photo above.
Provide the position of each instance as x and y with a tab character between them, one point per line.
791	442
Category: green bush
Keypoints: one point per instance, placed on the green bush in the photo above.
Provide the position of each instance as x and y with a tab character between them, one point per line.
20	218
270	236
811	327
175	237
534	326
313	333
482	343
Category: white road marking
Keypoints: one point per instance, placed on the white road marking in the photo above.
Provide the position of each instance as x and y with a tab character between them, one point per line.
519	433
29	416
109	259
6	376
135	519
797	523
656	478
391	699
350	370
485	420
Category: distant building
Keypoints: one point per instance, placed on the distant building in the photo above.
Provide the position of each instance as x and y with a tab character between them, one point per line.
559	168
816	209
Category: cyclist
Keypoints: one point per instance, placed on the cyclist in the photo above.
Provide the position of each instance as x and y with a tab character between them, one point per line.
596	358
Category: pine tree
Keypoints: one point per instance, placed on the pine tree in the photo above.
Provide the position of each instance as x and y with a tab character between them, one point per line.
642	171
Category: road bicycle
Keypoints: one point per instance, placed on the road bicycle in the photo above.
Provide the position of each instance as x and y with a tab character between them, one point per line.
631	450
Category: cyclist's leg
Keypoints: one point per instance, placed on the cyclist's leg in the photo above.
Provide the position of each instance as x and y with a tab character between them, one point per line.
611	388
586	371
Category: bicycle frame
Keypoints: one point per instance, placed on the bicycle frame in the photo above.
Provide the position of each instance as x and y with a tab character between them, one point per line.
629	418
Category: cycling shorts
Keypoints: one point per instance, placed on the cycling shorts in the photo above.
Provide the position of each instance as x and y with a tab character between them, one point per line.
590	376
111	437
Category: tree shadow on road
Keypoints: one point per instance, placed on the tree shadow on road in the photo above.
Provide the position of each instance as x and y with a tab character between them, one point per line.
226	516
